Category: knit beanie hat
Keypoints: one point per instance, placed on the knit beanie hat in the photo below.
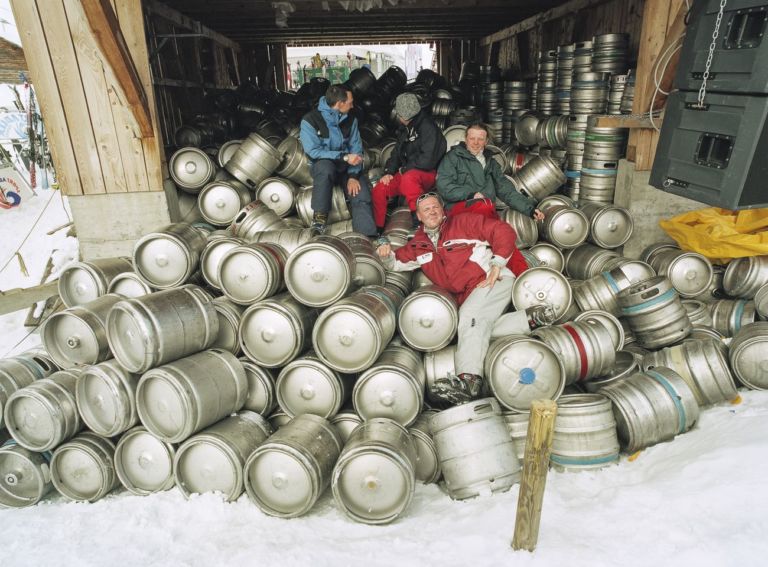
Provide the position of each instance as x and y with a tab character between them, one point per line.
407	106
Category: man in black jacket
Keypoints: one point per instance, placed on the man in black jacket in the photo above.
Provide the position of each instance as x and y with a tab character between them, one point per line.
412	168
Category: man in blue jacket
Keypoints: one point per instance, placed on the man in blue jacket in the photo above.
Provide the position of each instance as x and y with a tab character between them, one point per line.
331	139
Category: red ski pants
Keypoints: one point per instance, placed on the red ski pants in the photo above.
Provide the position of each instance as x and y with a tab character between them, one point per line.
410	185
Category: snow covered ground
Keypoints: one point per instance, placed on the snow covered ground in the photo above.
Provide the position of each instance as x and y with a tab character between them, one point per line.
699	500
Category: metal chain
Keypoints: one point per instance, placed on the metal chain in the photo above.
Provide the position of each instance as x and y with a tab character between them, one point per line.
715	34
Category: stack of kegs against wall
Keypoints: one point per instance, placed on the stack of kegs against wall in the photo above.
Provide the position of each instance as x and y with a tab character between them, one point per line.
603	147
516	101
616	93
546	83
610	53
628	94
565	59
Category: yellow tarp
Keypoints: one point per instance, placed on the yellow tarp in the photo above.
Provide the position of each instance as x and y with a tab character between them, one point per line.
720	234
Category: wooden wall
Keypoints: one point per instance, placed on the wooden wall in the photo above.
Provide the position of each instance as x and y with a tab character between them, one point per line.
610	16
95	140
12	62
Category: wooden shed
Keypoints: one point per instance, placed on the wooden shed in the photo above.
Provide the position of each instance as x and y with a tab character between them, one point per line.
115	79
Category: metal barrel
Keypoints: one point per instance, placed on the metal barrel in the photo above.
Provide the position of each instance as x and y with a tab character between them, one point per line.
690	273
221	201
526	128
78	335
20	371
320	272
586	349
82	282
399	226
191	169
747	355
307	385
83	468
178	399
229	314
517	426
525	227
211	257
145	332
129	285
287	474
274	331
374	478
651	407
698	312
610	226
253	219
761	302
654	312
339	210
289	239
548	256
744	276
608	321
226	151
393	387
170	256
587	261
351	334
251	272
144	463
476	453
438	364
539	177
368	267
730	315
564	227
214	459
279	419
345	422
520	369
43	415
427	461
428	318
402	282
585	435
278	194
25	476
106	398
541	285
254	160
627	363
703	364
294	164
261	397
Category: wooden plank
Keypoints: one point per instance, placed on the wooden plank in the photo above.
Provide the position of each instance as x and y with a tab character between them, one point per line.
131	18
47	91
91	68
16	299
105	28
534	21
62	51
538	443
626	121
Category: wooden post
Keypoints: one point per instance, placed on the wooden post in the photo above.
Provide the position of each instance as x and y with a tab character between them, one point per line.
535	465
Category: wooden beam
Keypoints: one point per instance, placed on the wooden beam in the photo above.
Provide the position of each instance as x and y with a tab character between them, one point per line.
535	465
186	22
16	299
103	22
534	21
626	121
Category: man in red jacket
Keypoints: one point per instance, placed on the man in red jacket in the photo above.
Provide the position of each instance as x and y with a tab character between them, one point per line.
467	255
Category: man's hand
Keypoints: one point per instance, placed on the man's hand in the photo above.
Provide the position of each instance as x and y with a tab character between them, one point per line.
538	215
385	179
384	250
493	275
354	159
478	195
353	187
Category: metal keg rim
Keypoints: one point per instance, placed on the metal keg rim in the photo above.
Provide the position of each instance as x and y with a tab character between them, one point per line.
50	409
95	456
393	369
212	440
120	466
10	499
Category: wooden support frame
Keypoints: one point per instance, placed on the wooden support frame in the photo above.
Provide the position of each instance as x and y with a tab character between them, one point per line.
104	25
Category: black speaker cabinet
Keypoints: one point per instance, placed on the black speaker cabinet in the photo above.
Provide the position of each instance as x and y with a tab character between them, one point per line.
740	60
718	155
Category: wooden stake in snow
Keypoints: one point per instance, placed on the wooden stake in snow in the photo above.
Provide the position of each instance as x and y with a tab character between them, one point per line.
535	465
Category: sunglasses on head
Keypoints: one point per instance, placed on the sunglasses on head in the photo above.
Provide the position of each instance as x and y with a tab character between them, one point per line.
420	198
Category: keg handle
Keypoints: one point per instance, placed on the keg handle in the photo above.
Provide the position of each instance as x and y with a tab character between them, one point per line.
483	408
650	293
201	294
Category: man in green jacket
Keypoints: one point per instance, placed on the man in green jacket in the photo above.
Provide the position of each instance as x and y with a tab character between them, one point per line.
468	174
